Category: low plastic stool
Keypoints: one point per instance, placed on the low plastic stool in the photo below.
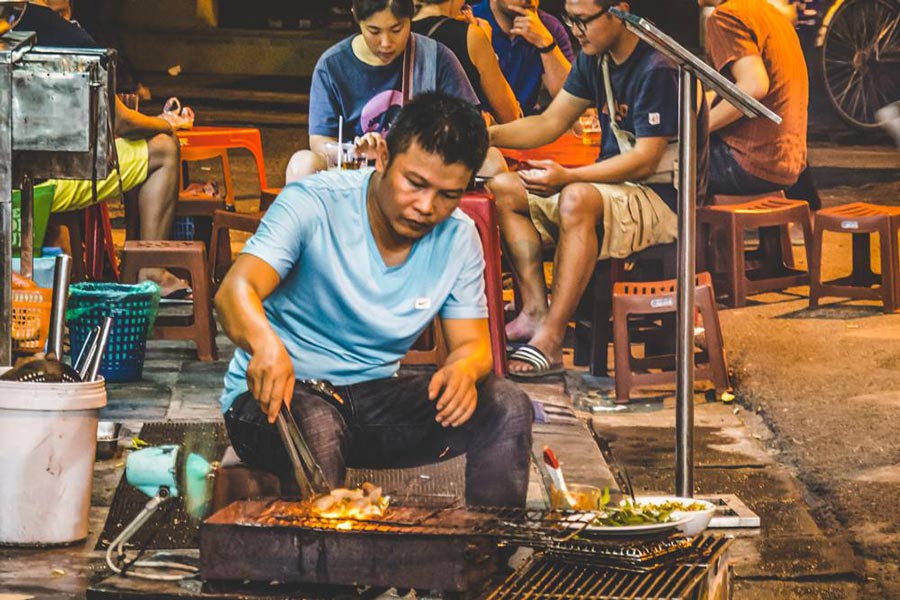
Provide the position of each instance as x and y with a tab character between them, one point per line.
860	220
659	298
191	257
721	246
224	222
592	324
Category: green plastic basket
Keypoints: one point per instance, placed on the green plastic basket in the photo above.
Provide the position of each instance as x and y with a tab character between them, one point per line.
43	198
133	309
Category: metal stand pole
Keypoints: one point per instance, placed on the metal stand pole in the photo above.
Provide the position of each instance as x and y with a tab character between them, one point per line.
26	230
684	361
6	225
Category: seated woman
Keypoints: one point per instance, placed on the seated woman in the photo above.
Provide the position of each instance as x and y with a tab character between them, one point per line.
361	80
442	20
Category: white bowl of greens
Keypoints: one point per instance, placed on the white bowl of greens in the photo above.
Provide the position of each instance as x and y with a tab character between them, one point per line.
699	511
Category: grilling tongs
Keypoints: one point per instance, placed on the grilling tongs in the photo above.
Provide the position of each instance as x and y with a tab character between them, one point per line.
307	471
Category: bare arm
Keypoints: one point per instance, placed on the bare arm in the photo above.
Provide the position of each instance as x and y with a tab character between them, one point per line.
500	96
131	124
317	143
528	24
750	76
549	177
239	305
541	129
470	360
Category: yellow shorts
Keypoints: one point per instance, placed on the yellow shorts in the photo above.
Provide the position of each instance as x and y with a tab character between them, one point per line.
134	163
634	218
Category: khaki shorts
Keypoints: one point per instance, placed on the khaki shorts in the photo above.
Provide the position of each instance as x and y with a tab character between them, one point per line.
134	163
634	218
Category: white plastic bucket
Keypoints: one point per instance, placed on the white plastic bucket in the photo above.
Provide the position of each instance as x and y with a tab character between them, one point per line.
48	436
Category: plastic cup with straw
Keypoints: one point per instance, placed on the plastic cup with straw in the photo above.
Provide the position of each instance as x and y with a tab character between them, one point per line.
340	144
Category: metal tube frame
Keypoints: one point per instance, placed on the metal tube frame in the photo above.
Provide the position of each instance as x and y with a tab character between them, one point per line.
684	358
6	224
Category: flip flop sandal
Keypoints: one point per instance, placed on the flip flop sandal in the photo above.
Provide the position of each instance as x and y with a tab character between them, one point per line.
537	359
183	295
513	346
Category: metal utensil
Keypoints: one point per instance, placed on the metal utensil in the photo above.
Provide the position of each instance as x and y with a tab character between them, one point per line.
87	352
628	485
100	349
307	471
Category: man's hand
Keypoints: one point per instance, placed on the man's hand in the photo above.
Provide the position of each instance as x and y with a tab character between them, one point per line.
457	402
546	178
529	25
270	377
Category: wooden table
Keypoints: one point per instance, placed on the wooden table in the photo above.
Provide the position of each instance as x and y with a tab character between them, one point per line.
567	151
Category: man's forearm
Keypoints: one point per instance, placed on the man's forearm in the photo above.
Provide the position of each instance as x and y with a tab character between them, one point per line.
556	69
475	356
529	132
617	169
723	115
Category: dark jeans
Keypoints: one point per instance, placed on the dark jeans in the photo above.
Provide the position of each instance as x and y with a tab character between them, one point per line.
390	423
726	176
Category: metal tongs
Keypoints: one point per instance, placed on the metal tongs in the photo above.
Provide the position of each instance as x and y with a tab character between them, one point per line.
307	471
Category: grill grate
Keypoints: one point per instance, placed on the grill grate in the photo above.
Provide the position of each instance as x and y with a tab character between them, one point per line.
546	531
549	579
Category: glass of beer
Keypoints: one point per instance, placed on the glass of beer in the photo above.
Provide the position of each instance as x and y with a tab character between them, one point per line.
349	158
590	128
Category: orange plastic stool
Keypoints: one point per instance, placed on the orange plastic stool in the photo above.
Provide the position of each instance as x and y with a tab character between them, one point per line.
190	256
658	298
721	245
860	220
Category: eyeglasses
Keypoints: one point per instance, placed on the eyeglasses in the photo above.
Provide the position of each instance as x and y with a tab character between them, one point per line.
581	23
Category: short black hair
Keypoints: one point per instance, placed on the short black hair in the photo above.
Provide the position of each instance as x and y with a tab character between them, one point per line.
444	125
402	9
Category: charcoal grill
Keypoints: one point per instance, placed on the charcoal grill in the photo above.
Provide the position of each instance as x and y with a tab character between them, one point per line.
450	548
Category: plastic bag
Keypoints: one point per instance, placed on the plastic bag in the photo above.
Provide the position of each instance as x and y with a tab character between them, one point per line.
177	116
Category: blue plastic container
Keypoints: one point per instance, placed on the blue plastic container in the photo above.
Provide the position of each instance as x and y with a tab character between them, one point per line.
133	309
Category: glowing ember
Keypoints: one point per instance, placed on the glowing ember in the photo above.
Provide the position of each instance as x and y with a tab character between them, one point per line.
361	503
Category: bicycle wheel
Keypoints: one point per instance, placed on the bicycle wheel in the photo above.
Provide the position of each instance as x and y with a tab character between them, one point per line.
861	59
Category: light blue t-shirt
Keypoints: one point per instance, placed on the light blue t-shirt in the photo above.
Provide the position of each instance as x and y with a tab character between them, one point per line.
342	314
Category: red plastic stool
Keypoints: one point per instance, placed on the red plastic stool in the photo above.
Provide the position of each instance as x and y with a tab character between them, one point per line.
721	236
479	206
658	298
860	220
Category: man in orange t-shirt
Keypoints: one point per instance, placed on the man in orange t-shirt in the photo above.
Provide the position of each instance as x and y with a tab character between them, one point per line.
754	45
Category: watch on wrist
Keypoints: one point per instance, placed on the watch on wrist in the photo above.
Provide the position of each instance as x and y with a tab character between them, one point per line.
549	48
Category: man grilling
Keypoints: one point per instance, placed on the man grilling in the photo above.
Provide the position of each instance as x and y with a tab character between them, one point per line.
344	273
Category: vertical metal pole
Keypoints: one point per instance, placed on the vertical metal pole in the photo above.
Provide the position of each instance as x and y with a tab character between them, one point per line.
26	228
6	226
684	361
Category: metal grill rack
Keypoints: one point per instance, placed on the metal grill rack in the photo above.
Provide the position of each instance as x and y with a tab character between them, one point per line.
559	535
553	577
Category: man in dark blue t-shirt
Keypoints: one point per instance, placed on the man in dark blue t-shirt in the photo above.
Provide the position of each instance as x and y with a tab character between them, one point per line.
629	191
531	45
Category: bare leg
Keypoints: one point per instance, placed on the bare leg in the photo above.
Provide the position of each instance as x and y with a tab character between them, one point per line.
581	208
156	199
493	164
523	246
304	163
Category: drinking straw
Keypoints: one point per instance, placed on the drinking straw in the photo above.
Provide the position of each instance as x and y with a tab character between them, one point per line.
340	144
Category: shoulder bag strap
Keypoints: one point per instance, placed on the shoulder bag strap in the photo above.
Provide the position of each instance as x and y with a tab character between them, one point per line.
409	61
623	138
437	26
